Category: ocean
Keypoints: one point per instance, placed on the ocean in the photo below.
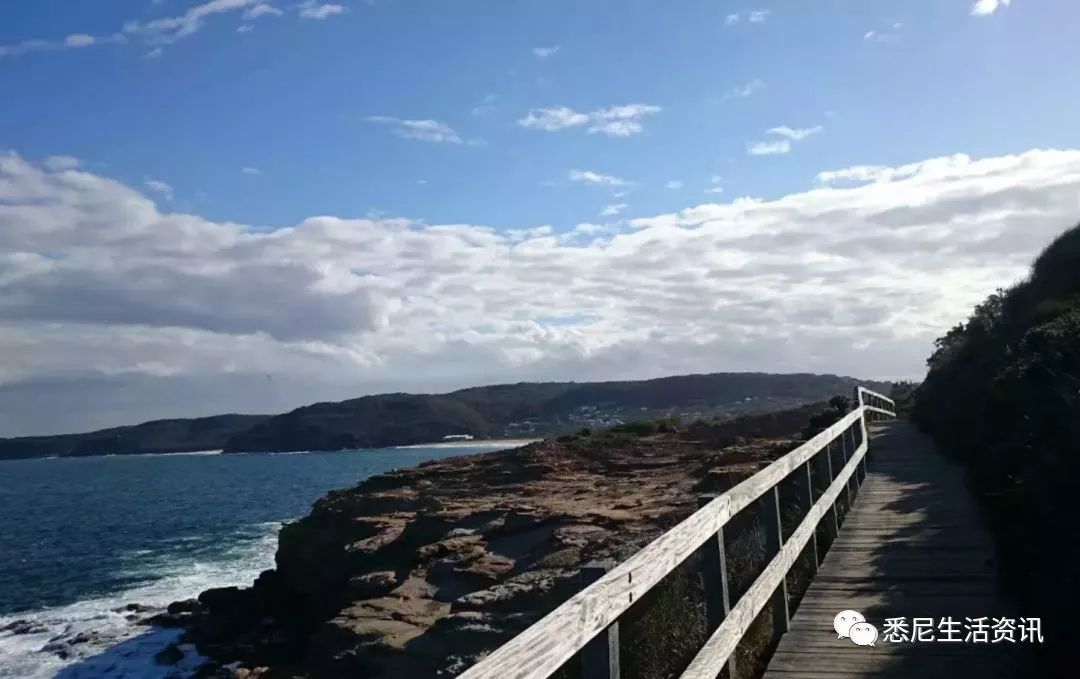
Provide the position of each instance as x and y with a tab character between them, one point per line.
83	538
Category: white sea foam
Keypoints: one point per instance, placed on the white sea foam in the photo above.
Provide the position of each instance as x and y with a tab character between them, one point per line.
102	640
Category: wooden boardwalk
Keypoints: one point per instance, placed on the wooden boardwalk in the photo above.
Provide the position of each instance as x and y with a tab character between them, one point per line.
913	545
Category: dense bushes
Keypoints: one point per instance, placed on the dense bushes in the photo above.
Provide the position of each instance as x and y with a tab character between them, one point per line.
838	407
1003	395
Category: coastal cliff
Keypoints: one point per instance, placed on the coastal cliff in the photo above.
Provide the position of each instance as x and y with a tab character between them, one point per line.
419	572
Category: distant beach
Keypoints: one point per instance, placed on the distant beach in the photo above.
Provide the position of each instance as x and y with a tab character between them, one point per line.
473	443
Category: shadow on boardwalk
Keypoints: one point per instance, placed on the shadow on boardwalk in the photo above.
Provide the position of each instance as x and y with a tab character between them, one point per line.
913	545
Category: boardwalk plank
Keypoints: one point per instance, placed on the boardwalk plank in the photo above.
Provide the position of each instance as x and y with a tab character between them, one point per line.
912	545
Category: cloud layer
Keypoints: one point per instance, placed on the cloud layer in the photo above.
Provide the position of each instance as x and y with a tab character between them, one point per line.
120	307
167	30
616	121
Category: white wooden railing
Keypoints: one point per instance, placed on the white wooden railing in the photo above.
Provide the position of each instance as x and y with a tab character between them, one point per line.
588	621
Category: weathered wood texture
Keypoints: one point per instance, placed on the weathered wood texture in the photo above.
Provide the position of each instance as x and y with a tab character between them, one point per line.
712	657
912	545
545	646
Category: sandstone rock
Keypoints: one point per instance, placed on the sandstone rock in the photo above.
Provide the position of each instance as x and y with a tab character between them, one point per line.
419	572
370	585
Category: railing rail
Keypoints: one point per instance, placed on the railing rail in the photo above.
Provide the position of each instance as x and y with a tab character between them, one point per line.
544	647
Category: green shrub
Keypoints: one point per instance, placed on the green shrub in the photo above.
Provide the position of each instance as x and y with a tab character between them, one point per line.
638	428
1002	395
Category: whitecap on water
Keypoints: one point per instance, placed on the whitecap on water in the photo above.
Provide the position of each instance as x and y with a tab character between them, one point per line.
99	638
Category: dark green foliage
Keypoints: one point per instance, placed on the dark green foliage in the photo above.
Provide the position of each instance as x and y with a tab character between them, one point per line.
160	436
713	388
667	425
838	407
903	394
368	422
779	423
638	428
662	632
1003	396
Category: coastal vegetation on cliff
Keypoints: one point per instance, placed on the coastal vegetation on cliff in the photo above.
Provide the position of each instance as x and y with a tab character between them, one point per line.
1003	396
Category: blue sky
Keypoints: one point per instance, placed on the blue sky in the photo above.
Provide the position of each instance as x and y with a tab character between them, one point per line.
292	98
356	197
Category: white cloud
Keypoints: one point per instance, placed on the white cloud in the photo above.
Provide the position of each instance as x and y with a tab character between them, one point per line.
77	40
988	7
251	171
795	134
158	186
310	9
590	177
769	148
72	41
545	52
891	37
262	9
552	119
58	163
673	184
612	210
747	89
754	17
486	106
616	121
424	130
782	146
170	29
122	311
861	174
716	181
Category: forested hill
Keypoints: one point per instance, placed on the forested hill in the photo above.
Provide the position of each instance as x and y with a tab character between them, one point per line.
508	410
530	409
159	436
1003	395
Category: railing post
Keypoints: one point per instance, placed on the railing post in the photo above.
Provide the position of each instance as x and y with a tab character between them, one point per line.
866	456
717	591
847	453
600	657
850	441
774	540
834	519
810	505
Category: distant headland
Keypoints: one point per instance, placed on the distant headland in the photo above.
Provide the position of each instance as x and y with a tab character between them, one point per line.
526	410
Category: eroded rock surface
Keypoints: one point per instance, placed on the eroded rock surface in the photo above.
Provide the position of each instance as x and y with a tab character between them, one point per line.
418	572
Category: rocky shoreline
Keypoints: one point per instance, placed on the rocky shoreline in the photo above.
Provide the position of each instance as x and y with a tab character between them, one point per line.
419	572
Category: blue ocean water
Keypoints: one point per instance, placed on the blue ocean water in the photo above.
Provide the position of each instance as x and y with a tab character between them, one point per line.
82	538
